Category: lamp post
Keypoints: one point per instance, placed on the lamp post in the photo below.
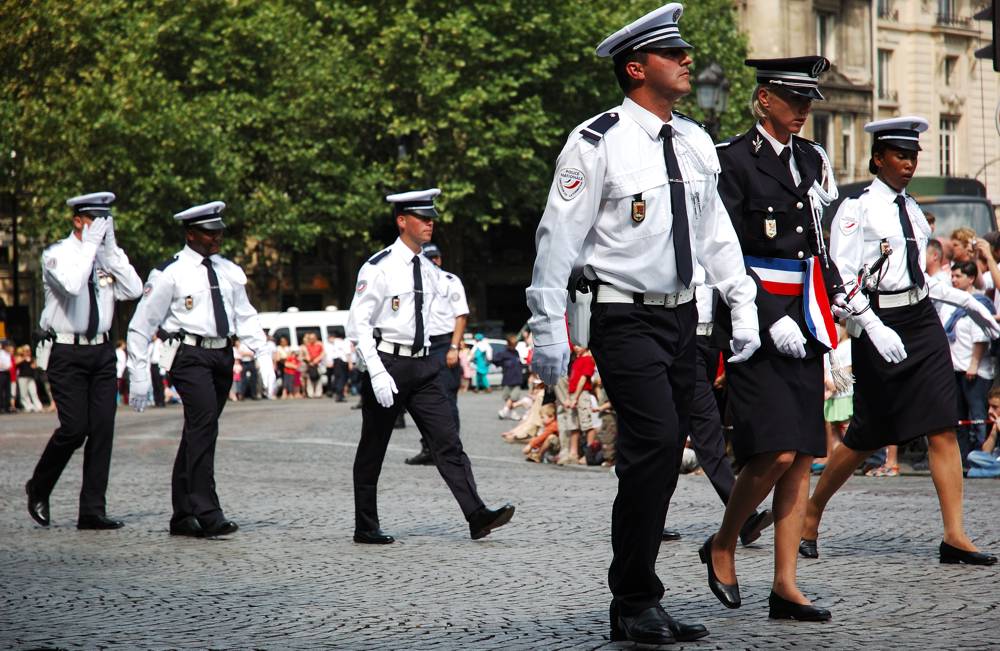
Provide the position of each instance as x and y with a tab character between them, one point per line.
713	93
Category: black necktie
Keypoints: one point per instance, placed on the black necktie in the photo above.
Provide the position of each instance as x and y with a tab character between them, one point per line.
418	305
221	321
912	255
678	206
94	315
785	156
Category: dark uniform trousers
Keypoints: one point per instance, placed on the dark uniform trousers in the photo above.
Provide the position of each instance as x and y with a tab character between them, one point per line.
84	386
421	395
706	423
646	357
449	378
159	399
203	378
339	378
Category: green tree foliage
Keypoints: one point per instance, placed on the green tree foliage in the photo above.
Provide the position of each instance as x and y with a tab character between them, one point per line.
301	115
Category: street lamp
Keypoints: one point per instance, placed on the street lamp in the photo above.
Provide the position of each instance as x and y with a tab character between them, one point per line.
713	93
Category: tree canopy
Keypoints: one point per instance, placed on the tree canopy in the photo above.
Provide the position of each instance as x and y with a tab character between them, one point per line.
302	115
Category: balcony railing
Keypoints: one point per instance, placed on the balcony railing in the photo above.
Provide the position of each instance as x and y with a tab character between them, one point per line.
888	96
888	13
954	20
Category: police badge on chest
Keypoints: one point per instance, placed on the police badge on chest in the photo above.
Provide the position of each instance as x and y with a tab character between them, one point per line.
395	304
638	208
189	302
771	228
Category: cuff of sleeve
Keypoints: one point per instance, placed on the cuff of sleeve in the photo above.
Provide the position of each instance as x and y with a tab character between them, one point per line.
745	316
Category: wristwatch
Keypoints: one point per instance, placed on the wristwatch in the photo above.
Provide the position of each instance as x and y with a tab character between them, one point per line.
454	347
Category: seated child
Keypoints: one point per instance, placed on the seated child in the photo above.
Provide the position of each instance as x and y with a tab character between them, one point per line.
547	440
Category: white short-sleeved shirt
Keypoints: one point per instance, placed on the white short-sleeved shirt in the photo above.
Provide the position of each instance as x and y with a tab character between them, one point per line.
967	333
449	304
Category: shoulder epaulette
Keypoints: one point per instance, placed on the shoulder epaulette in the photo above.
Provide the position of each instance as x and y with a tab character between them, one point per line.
690	119
378	257
594	131
811	142
166	263
728	141
448	276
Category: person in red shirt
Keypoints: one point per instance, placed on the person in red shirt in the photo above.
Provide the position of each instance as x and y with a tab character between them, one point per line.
578	411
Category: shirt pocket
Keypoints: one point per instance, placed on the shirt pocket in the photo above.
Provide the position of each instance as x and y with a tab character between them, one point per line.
647	184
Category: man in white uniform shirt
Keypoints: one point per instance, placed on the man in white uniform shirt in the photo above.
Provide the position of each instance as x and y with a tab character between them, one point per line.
83	276
392	304
634	203
198	301
449	314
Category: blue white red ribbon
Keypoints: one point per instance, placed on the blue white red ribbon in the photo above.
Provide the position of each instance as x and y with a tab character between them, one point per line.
799	278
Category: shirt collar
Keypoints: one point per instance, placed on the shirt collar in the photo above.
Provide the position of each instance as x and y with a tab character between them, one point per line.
194	256
649	122
881	189
777	146
400	249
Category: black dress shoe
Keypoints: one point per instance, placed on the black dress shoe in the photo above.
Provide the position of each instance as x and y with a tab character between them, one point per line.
221	528
99	522
485	520
781	608
685	632
373	537
808	548
422	458
728	594
38	506
188	526
750	531
955	556
648	627
670	535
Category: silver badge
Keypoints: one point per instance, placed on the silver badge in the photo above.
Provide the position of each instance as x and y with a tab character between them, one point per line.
757	143
771	228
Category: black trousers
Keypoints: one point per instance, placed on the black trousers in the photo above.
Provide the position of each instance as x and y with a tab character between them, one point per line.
646	356
339	379
157	378
706	423
250	380
203	378
419	394
84	385
5	391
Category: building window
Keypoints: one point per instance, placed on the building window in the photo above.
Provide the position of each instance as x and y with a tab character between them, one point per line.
847	144
821	130
825	34
884	63
947	145
948	70
886	10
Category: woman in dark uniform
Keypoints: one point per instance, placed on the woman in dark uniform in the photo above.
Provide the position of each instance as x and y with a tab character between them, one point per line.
902	365
776	397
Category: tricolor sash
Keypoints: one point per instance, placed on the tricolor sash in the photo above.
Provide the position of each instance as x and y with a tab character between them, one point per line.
799	278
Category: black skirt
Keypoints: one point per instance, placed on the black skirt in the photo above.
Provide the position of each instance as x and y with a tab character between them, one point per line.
776	405
896	403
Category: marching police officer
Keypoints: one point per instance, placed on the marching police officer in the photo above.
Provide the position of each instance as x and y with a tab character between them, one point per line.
197	301
449	314
902	361
83	276
388	322
634	204
771	184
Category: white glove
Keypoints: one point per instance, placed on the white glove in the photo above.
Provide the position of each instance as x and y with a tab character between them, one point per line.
839	307
140	391
109	237
551	362
384	386
982	317
744	343
886	341
94	232
788	338
267	376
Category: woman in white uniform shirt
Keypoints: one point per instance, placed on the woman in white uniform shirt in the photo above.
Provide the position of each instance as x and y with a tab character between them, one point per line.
902	364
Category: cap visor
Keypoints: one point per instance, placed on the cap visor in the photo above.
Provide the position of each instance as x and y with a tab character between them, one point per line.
667	44
907	145
214	225
810	93
421	212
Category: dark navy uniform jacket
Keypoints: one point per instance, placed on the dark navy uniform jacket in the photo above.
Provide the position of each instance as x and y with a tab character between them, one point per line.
772	217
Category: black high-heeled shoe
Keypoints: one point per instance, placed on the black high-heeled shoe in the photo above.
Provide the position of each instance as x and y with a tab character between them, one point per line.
728	594
954	556
808	548
781	608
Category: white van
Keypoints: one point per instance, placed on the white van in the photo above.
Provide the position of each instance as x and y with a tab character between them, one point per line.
294	324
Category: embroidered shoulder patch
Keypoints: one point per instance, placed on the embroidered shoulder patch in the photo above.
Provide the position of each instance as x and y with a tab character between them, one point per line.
848	226
455	297
571	182
147	289
51	262
362	286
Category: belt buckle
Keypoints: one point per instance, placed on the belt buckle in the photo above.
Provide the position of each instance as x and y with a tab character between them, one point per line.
655	299
671	300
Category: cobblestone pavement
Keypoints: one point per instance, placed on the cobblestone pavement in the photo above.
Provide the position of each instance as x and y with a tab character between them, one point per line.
292	578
